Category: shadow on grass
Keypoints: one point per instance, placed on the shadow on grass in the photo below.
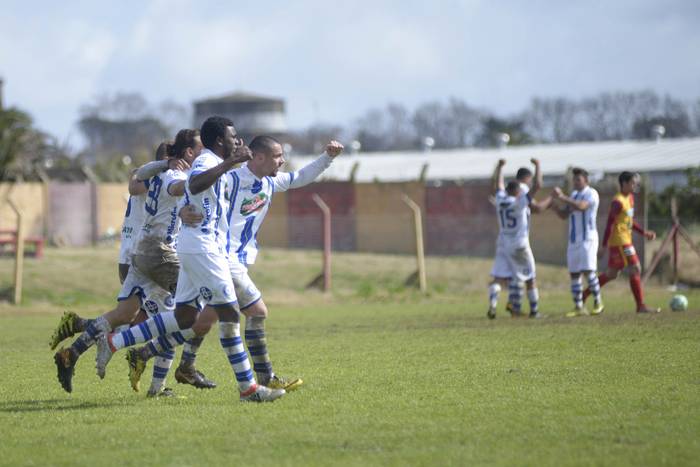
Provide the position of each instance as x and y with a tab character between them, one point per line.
52	405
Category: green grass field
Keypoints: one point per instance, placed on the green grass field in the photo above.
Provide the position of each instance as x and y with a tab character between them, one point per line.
390	377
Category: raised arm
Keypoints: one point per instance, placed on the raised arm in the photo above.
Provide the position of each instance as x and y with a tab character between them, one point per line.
497	182
313	169
538	178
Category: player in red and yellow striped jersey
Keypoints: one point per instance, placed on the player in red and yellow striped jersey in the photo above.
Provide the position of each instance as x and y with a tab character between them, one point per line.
618	240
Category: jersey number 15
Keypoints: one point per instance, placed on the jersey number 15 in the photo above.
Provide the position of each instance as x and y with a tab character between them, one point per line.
508	221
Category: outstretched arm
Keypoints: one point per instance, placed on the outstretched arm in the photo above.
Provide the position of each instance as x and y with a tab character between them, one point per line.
497	182
578	205
538	178
153	168
541	206
310	171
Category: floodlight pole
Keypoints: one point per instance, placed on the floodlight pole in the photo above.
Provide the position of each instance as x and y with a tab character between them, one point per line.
420	254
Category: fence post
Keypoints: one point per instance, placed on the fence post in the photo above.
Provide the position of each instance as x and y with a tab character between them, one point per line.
19	254
326	274
420	255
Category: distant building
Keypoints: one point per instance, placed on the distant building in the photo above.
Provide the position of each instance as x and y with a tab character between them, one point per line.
251	113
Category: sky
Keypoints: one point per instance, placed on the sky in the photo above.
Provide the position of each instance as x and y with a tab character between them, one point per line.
332	61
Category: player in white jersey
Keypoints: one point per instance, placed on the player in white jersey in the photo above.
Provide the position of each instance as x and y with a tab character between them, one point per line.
252	188
581	209
138	290
133	217
204	279
70	323
514	262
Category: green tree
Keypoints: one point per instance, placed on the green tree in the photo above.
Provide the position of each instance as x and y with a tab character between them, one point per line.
15	138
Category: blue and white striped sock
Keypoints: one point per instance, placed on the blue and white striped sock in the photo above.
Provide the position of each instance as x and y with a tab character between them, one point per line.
533	297
494	290
87	339
159	345
577	291
189	351
257	346
230	337
594	285
161	324
161	366
515	295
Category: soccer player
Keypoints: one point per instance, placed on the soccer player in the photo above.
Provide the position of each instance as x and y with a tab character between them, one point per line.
618	240
204	277
70	323
253	186
138	290
154	254
133	217
581	208
514	262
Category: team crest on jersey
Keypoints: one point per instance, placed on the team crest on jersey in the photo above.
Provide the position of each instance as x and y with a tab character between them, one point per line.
205	293
249	206
150	306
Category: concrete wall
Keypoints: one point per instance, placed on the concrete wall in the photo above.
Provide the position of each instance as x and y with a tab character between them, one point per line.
384	223
112	199
30	199
458	219
274	231
305	220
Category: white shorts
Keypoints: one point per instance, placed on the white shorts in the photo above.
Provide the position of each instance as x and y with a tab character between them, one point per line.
154	299
582	256
205	279
514	261
246	291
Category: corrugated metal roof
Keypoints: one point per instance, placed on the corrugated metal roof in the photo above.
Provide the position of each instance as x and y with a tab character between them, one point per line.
467	164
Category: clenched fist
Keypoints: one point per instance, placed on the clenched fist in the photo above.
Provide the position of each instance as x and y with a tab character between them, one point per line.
334	148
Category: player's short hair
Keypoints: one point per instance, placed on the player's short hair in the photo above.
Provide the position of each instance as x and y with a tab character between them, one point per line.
163	150
184	139
212	128
523	172
512	187
263	143
625	177
579	171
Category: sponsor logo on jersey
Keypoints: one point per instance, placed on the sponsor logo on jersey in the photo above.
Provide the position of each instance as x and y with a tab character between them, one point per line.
249	206
205	293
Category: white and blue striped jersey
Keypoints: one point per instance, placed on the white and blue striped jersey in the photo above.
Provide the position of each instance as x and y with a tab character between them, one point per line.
160	222
582	224
210	235
250	201
133	220
513	217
